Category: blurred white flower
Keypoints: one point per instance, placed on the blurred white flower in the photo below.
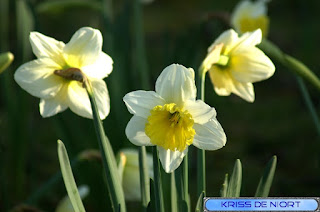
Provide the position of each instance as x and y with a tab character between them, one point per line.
129	173
240	64
249	16
172	118
65	204
58	73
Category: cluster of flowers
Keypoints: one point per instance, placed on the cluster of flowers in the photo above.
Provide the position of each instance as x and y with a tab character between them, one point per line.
170	117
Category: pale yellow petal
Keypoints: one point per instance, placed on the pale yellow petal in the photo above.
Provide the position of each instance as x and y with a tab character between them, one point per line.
176	84
44	46
78	100
251	66
38	79
244	90
222	81
84	48
101	68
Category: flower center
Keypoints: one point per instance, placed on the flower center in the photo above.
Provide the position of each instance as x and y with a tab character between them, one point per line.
170	127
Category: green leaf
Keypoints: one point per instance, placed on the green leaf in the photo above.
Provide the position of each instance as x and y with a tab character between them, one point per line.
199	206
234	186
108	158
224	187
267	178
69	179
151	206
25	24
5	60
157	180
144	177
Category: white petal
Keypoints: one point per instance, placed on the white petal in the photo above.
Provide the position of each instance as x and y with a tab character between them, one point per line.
176	84
44	46
101	68
140	103
200	111
251	66
78	100
244	90
209	136
50	107
84	48
101	96
229	38
135	132
246	41
171	160
38	79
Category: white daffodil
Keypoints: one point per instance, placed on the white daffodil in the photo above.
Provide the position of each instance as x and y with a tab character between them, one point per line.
65	204
249	16
130	173
240	64
58	73
172	119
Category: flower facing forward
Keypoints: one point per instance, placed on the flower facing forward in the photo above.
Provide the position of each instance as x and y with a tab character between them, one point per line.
57	75
130	173
172	119
249	16
234	63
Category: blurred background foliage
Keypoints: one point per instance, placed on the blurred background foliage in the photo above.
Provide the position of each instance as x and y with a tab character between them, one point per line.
172	31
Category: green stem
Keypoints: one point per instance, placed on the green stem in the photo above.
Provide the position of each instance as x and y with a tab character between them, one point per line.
108	158
140	53
186	181
144	178
158	192
290	62
201	178
309	104
174	196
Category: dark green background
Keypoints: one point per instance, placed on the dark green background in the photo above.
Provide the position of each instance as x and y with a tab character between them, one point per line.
176	31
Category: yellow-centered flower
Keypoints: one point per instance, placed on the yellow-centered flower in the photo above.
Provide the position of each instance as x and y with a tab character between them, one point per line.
130	174
172	119
234	63
57	75
249	16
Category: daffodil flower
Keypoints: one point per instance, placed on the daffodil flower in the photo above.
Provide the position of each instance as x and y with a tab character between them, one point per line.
172	119
130	174
57	75
249	16
234	63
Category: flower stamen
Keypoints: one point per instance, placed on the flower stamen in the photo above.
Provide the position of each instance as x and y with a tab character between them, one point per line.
170	127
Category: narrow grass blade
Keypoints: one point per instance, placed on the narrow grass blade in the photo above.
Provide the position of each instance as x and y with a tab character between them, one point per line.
144	178
234	186
199	206
151	206
158	184
267	178
224	187
69	179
